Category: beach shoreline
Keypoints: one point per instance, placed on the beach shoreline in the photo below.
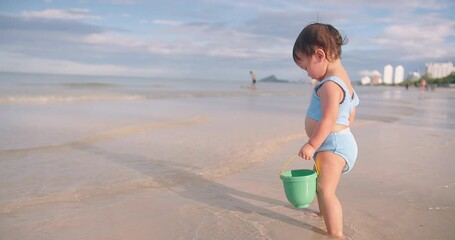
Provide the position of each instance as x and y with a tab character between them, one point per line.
206	167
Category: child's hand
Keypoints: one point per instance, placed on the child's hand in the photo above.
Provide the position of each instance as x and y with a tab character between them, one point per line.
307	151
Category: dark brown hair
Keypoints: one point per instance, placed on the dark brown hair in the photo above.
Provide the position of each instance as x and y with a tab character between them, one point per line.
320	35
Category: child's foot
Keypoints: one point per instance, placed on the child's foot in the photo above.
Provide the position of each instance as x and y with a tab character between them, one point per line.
340	237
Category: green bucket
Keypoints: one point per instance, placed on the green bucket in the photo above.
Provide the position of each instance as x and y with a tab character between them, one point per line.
299	186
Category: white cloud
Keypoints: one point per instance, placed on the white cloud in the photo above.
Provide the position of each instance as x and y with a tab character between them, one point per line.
369	73
225	41
225	35
62	14
122	1
385	4
199	39
111	39
166	22
12	62
116	41
238	53
424	38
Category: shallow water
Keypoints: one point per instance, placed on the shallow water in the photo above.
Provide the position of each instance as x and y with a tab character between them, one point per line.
68	142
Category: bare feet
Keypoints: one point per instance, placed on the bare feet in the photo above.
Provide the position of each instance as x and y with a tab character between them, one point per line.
340	237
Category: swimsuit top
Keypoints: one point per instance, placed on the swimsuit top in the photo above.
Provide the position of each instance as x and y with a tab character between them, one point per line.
345	108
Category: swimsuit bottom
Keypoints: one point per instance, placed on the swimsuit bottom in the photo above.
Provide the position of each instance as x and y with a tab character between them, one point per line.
342	143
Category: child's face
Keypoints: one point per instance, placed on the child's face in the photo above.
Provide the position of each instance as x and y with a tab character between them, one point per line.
313	65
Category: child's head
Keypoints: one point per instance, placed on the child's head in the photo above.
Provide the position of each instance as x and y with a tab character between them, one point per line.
318	35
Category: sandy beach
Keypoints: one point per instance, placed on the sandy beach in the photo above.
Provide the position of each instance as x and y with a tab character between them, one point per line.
204	164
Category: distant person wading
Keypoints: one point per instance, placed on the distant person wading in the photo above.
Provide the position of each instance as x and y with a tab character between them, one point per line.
253	78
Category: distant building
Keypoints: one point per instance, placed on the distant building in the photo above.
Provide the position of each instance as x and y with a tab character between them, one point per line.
365	80
439	70
413	76
371	77
399	74
376	78
388	74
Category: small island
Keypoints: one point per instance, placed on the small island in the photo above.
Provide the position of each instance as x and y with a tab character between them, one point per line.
273	79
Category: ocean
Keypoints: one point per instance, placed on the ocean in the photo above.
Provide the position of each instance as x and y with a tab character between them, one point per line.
70	142
54	128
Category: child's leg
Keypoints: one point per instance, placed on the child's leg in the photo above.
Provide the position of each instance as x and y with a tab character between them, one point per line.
330	168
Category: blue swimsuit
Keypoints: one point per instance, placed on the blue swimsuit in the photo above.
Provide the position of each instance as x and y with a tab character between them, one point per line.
342	142
347	105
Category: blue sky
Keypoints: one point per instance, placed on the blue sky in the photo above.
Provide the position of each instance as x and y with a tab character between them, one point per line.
216	39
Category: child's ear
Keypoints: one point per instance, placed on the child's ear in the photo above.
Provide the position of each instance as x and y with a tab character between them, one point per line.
320	54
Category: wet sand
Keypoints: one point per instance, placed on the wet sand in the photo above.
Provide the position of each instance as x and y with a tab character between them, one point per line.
207	168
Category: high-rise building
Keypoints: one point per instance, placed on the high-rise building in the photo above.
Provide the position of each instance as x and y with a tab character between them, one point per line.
399	74
439	70
388	74
365	80
375	77
413	76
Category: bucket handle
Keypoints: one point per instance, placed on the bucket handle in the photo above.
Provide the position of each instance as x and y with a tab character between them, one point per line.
292	159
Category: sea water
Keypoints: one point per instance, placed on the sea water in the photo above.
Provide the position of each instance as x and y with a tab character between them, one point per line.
52	125
76	139
66	138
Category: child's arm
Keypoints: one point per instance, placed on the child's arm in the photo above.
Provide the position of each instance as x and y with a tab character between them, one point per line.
331	95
